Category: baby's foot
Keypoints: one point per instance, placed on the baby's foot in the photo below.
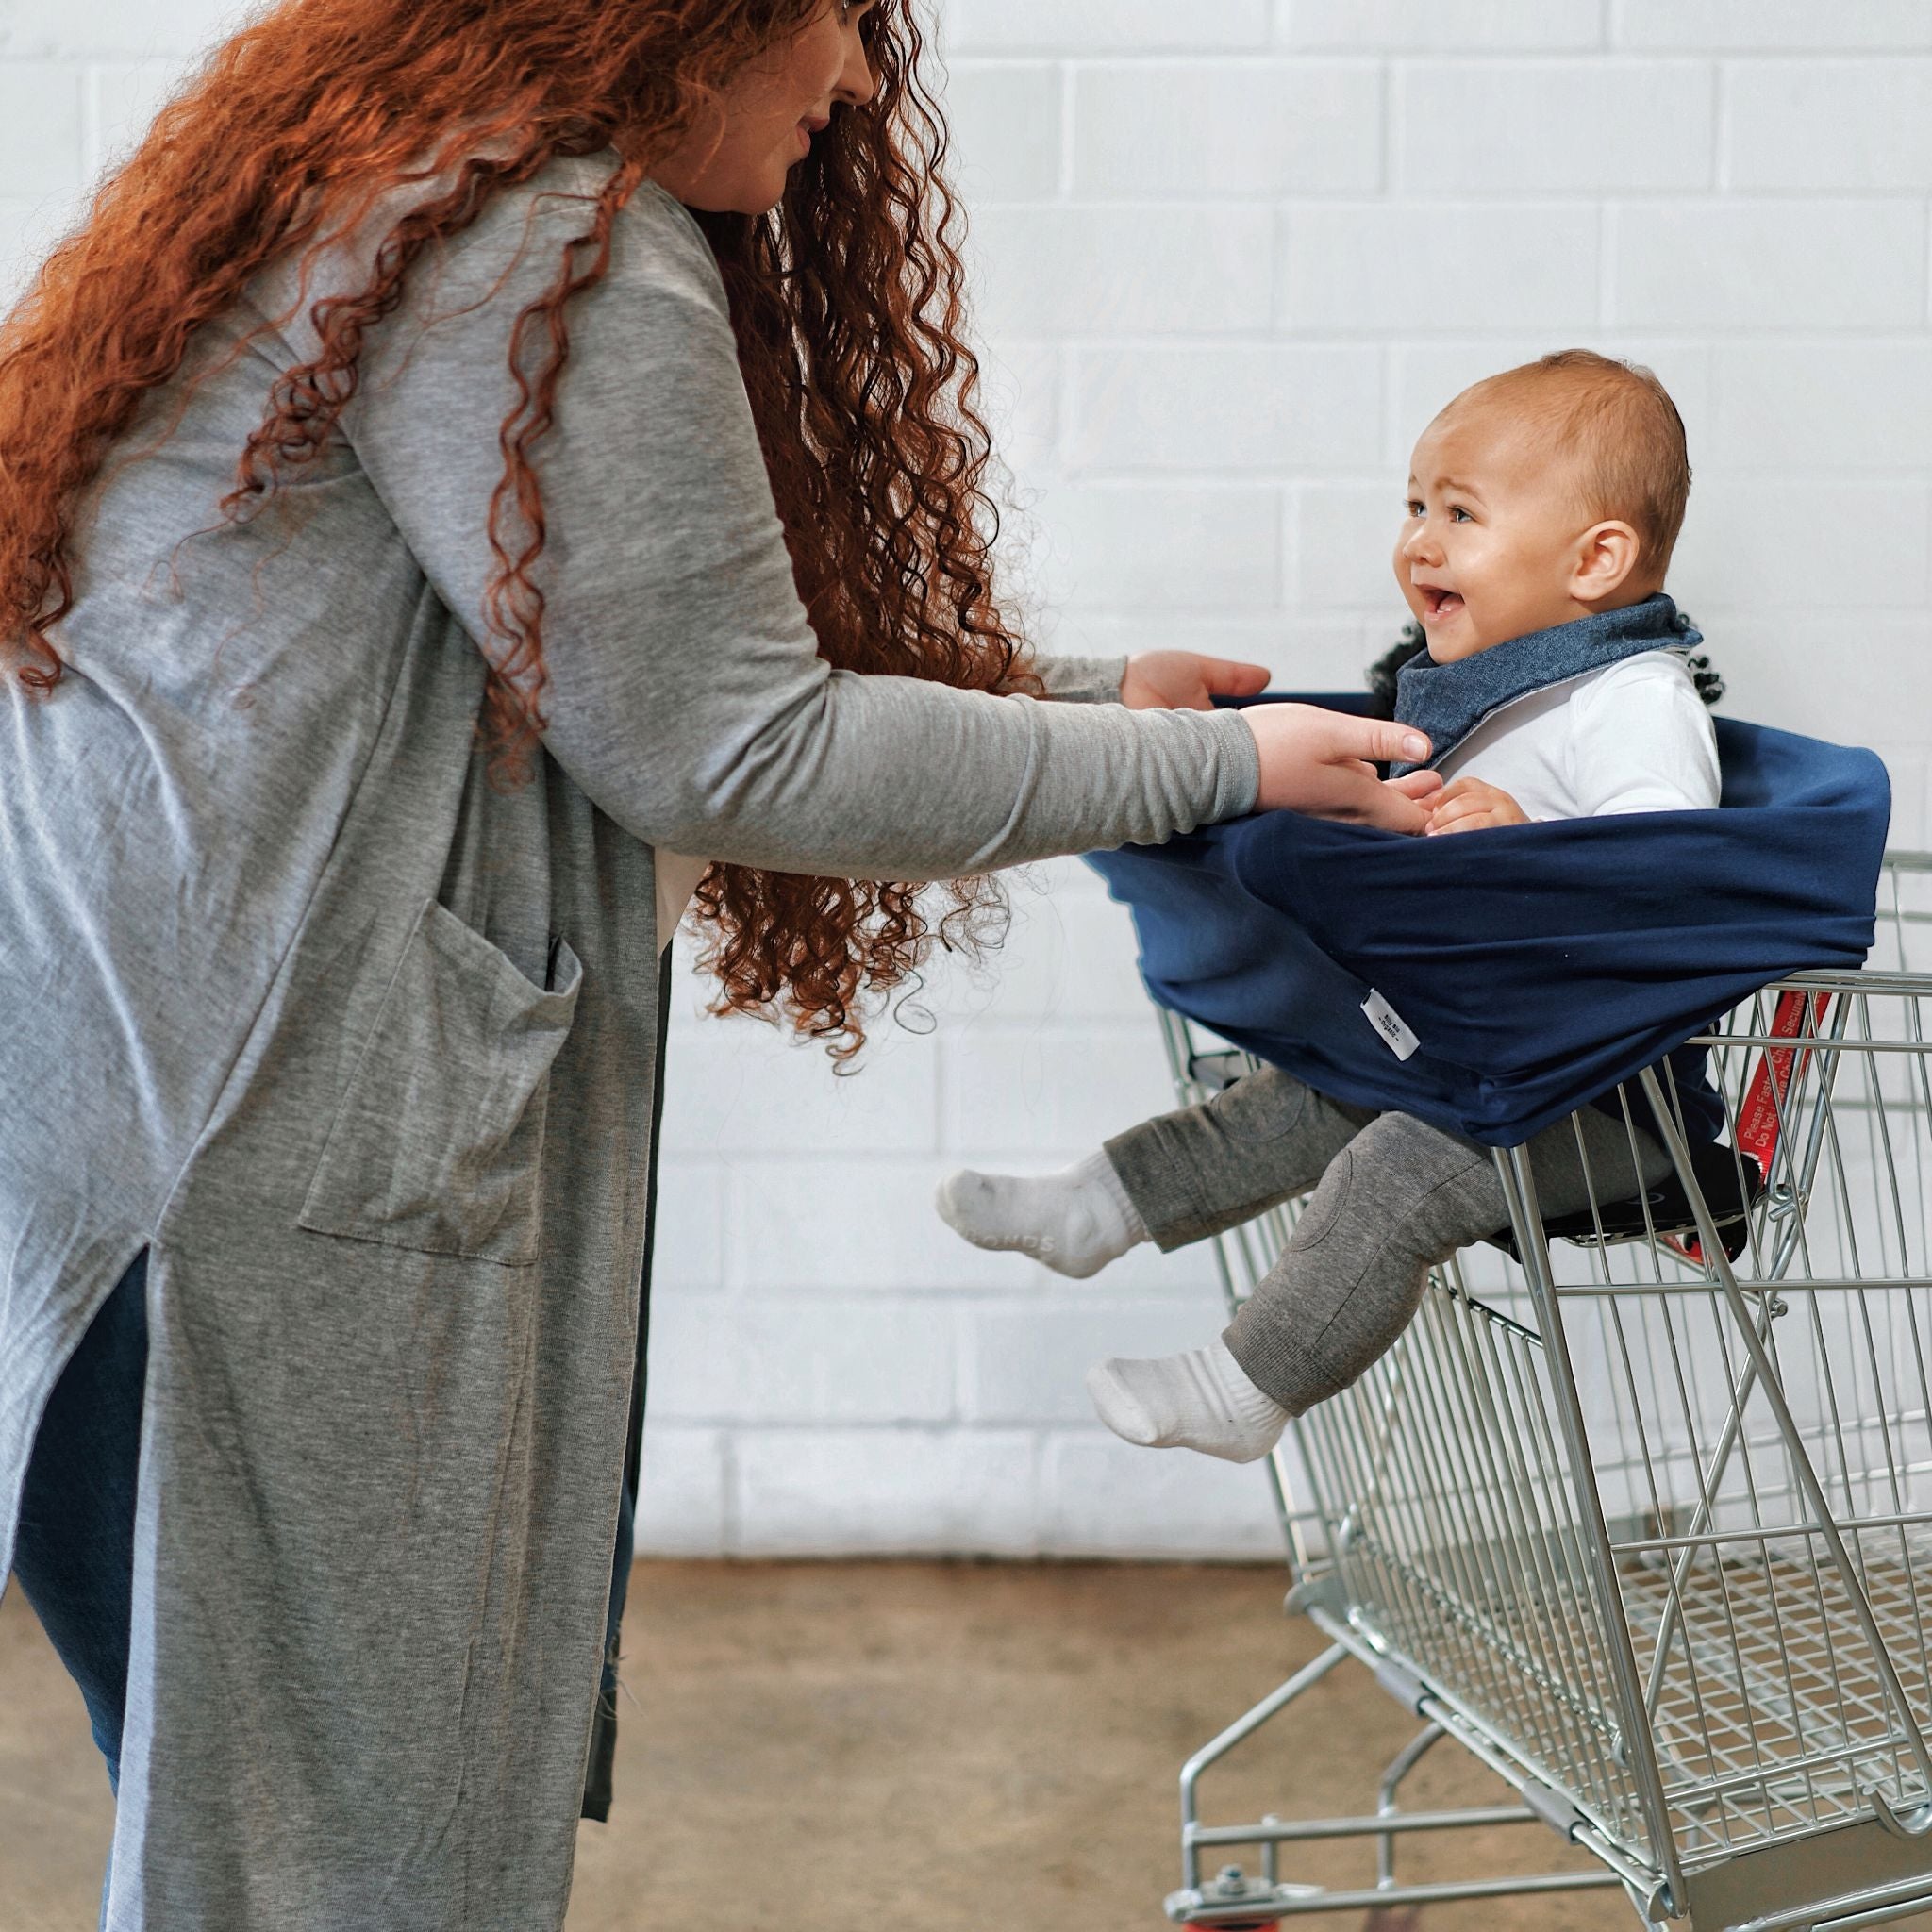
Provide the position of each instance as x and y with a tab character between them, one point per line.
1201	1400
1076	1221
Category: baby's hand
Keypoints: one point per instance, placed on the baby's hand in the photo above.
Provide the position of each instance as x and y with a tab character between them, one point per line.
1469	806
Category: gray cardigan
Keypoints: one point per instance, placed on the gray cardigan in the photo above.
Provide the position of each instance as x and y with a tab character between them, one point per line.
360	1046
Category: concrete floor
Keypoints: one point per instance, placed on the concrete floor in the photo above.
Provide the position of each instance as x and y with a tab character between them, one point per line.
951	1746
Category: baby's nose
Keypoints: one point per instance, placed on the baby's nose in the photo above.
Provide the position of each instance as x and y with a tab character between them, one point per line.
1418	546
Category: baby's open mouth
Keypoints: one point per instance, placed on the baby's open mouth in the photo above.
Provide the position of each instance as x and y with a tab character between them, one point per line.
1439	602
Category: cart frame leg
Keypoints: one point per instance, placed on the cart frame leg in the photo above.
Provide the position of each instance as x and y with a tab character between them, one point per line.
1232	1899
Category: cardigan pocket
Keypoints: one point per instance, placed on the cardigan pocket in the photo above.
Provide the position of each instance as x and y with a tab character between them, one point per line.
437	1141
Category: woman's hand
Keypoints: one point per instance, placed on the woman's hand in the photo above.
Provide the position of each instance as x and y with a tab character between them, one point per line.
1312	761
1184	681
1320	762
1469	806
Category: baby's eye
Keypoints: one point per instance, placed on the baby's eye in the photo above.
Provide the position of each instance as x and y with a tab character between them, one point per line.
1414	508
1458	514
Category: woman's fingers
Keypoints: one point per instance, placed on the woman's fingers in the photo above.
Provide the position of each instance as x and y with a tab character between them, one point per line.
1186	681
1315	762
1418	785
1355	794
1231	677
1368	801
1381	738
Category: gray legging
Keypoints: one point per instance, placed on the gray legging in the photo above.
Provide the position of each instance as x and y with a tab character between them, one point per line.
1392	1199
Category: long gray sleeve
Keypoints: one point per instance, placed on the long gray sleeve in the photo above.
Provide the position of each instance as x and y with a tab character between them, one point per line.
687	695
1082	680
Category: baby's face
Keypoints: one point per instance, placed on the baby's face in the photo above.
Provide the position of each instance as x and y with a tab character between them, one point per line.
1489	549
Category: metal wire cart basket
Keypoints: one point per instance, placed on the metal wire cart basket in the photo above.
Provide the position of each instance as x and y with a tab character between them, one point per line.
1638	1511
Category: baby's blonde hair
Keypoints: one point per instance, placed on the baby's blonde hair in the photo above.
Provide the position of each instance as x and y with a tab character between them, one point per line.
1620	420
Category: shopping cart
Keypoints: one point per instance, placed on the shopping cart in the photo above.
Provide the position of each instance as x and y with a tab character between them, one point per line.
1638	1510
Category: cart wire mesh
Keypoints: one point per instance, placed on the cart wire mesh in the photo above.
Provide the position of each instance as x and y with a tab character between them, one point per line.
1656	1523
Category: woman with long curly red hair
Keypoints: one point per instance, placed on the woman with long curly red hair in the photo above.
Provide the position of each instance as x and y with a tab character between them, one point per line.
474	451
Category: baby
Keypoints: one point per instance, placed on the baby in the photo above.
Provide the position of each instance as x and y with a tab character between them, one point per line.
1542	507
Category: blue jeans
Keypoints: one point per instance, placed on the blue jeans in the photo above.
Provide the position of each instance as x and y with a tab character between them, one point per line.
75	1554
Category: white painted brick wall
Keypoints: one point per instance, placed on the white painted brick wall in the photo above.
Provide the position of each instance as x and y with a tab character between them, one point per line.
1750	265
1394	268
1230	257
1190	130
1597	127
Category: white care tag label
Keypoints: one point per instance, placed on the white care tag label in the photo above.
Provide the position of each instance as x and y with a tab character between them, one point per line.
1390	1026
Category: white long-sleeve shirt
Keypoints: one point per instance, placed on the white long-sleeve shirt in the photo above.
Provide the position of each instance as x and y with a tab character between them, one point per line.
1632	737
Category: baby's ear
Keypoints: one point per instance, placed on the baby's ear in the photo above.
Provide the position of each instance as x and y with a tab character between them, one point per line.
1608	556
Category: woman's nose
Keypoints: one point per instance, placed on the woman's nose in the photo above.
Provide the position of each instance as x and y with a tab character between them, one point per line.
855	85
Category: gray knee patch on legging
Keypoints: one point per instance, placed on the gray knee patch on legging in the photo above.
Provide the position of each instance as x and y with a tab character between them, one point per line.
1398	1199
1401	1198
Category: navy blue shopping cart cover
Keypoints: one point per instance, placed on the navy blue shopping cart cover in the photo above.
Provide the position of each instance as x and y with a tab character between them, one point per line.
1532	966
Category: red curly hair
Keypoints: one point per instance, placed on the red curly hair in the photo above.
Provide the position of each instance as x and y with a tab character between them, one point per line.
846	301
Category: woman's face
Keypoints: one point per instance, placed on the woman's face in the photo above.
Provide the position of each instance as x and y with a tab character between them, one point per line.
736	157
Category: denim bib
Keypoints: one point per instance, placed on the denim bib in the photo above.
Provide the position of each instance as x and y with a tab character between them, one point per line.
1449	701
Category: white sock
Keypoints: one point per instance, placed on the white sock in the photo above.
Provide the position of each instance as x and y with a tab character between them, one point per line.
1201	1400
1076	1221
